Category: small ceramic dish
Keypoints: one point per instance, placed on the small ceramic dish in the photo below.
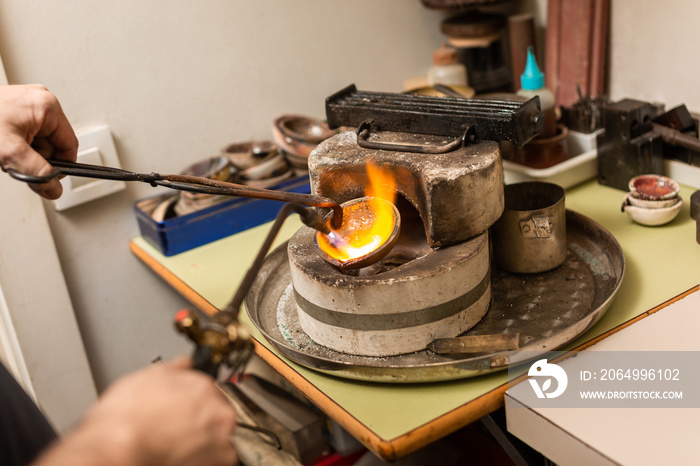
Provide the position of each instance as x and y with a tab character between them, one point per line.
246	154
466	91
654	217
297	161
632	198
273	165
217	168
654	187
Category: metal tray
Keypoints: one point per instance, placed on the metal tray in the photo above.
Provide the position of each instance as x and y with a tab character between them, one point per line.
548	310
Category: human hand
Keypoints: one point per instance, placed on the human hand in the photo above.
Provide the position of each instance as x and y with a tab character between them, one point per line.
33	128
166	414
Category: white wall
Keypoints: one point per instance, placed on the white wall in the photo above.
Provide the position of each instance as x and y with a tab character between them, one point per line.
653	51
176	81
36	315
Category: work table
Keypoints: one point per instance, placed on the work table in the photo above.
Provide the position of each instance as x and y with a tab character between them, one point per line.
395	419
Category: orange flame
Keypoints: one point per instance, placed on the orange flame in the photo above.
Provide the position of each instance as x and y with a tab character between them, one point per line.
365	226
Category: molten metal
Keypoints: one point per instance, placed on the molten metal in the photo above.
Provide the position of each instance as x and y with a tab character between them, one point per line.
370	229
370	226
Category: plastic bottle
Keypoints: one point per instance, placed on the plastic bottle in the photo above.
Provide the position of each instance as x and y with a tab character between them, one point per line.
532	84
446	68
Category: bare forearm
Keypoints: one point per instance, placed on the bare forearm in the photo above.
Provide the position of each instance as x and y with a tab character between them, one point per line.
165	415
92	446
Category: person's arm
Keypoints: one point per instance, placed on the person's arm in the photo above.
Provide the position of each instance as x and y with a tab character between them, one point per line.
166	414
33	128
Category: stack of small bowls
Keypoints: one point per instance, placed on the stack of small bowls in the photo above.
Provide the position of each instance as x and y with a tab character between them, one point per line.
298	136
260	163
653	200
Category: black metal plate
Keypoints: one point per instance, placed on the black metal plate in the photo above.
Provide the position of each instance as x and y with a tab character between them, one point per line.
494	120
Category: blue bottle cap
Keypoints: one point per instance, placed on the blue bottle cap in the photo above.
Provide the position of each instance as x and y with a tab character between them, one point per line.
532	79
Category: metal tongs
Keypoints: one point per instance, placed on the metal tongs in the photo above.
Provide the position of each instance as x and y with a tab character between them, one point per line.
222	339
195	184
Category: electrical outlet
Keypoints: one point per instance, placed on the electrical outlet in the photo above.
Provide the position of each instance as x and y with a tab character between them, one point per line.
96	147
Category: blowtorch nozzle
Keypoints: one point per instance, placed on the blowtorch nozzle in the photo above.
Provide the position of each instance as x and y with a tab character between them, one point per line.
312	219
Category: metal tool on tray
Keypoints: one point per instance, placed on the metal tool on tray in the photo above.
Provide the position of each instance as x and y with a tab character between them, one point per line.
189	183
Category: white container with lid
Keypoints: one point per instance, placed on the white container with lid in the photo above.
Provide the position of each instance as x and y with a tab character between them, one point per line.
446	68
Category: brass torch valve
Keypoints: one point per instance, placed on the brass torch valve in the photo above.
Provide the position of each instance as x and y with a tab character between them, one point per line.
221	340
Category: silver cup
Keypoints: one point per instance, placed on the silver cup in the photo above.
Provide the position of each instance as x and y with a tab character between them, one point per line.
530	236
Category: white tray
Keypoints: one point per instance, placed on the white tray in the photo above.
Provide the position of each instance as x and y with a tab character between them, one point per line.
579	168
584	166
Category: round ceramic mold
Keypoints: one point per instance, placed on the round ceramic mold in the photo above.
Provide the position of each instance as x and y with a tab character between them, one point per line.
654	187
654	217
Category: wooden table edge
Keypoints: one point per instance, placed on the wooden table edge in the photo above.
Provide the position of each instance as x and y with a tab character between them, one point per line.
414	440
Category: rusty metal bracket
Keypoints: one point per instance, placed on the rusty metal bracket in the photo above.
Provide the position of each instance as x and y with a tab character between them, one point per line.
536	227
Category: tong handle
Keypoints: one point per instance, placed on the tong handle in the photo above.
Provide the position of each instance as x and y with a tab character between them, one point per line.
189	183
64	167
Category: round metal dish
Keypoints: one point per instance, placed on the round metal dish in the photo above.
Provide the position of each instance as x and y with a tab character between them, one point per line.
358	217
548	309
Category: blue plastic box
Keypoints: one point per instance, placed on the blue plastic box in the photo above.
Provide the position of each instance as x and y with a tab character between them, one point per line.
178	234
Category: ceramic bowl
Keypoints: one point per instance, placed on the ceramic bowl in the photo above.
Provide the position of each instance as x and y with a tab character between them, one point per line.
247	154
298	134
632	198
654	217
654	187
217	168
272	166
465	91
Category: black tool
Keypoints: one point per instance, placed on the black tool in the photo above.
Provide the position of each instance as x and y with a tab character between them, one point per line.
629	146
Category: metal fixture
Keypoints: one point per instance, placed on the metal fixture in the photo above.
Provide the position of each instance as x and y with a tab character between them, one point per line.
629	146
495	120
530	236
695	205
470	344
585	115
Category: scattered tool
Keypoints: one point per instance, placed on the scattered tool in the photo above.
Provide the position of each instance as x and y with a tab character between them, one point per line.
475	343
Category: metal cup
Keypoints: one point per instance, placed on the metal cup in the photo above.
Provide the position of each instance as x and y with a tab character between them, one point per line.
530	236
